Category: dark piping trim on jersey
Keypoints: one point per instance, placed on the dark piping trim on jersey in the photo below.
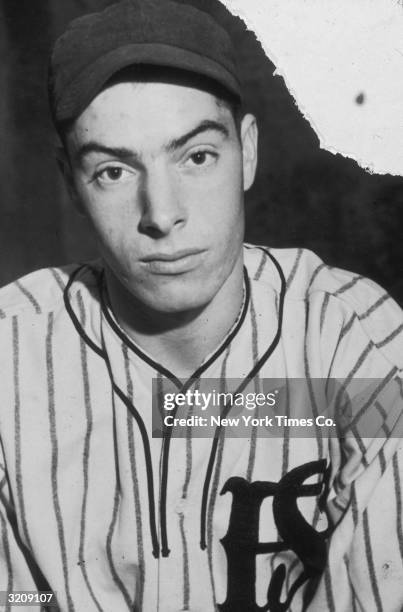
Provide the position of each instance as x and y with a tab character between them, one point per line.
143	431
74	318
248	378
166	441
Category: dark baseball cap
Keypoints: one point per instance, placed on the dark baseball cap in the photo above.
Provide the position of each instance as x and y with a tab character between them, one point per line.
136	32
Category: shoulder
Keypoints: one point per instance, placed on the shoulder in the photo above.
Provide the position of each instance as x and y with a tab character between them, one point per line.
42	291
305	274
338	297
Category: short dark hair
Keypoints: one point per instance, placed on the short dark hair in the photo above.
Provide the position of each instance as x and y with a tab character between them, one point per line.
142	73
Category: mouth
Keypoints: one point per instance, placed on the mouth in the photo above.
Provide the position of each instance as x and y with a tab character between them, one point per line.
178	262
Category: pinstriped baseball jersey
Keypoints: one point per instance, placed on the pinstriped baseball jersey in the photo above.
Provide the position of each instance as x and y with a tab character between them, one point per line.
110	518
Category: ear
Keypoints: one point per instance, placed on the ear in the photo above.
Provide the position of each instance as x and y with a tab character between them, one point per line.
65	168
249	140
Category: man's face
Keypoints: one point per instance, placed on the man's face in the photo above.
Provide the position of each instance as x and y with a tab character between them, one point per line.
160	171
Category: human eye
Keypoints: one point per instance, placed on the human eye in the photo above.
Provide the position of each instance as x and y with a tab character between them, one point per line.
111	174
200	158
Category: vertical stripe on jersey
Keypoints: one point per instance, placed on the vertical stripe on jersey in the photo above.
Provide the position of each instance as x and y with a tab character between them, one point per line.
370	561
354	505
54	457
384	416
382	460
318	433
116	502
215	483
29	296
262	265
185	563
136	491
361	445
17	431
58	279
2	314
286	434
285	459
346	328
329	590
323	310
399	509
210	511
347	381
294	268
399	381
86	452
255	357
116	578
185	489
7	556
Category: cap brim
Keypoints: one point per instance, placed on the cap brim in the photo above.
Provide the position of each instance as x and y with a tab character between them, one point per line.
86	86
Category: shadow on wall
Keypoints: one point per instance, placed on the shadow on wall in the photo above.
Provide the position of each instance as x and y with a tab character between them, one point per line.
302	196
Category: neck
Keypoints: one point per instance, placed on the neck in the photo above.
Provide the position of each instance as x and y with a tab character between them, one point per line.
180	341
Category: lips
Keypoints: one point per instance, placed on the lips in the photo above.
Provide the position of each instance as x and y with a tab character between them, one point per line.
178	262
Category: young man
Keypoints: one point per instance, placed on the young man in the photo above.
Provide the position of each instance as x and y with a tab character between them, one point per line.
94	507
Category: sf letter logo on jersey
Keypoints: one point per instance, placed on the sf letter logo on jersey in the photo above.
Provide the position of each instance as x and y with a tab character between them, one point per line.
241	542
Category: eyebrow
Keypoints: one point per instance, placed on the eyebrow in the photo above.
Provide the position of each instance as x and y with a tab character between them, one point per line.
204	126
96	147
173	145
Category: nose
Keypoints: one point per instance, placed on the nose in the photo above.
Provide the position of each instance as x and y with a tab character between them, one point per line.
162	209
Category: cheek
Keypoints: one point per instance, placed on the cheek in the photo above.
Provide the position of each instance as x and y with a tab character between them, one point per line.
112	215
219	206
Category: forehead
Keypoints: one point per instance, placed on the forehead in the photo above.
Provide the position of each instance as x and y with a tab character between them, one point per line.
148	112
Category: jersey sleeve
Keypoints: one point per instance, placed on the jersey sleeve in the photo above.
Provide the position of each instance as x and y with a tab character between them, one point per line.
365	562
366	370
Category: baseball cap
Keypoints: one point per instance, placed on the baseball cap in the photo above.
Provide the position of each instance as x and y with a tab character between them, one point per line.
136	32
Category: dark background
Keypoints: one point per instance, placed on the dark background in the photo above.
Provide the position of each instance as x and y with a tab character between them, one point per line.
302	196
